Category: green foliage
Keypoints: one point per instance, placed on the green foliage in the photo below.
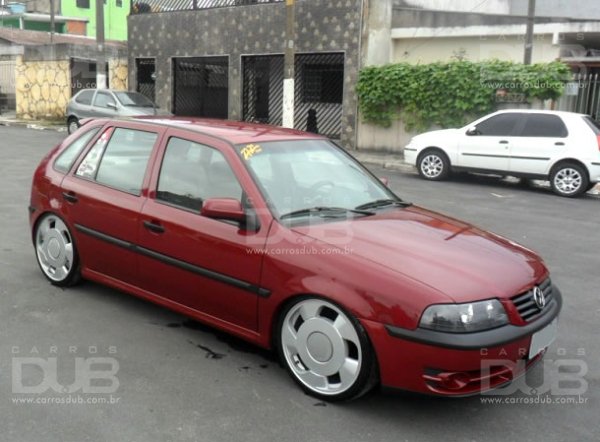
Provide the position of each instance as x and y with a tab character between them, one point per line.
449	94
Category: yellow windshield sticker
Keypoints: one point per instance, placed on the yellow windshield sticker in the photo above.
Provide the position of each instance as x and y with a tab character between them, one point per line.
250	150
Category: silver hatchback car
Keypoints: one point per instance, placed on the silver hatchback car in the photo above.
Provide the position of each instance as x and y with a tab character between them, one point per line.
106	103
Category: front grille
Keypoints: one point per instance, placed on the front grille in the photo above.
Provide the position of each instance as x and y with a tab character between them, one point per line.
526	305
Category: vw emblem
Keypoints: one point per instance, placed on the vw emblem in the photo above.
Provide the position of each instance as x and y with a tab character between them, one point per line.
539	297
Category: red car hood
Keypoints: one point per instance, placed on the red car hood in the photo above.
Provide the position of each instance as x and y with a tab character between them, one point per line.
454	258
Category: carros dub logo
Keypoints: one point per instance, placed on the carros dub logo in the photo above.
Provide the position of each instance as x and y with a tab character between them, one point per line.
83	370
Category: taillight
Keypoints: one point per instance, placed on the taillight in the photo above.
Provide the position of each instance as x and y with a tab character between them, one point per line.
598	139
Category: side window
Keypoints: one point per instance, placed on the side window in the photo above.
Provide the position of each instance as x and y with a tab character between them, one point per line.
103	99
192	172
499	125
85	97
65	160
544	125
122	164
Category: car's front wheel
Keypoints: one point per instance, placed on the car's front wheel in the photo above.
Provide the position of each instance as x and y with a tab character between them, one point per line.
569	179
433	164
56	252
72	124
326	350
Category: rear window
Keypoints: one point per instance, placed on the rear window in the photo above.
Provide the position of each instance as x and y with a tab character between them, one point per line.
65	160
120	162
595	125
85	97
544	125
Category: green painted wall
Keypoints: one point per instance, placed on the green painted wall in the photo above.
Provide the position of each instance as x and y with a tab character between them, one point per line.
32	25
115	17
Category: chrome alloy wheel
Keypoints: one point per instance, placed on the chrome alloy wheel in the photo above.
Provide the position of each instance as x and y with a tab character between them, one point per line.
568	180
432	166
321	346
54	248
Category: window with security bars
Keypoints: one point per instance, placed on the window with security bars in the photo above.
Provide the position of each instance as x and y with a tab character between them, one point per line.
323	83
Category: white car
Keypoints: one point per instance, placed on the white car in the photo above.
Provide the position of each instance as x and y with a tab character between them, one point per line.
562	147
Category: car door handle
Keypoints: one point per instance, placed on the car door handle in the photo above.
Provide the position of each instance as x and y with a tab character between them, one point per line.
503	142
154	226
70	197
559	143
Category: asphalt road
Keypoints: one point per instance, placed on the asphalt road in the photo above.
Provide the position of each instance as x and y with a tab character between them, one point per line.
178	381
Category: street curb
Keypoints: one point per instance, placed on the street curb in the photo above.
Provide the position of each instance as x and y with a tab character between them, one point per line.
31	125
386	161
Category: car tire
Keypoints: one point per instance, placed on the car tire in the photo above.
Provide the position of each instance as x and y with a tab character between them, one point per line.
72	124
569	179
325	350
55	251
591	186
433	165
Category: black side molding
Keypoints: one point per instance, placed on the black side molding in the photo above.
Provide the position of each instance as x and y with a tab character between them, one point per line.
244	285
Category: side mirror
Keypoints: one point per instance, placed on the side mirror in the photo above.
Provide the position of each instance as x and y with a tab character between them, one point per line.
472	131
111	105
223	208
384	180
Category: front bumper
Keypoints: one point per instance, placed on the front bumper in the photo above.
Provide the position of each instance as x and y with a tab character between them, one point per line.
456	364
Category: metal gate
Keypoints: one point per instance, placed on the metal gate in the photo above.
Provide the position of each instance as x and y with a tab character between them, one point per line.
582	95
83	75
146	77
7	85
201	87
319	87
263	89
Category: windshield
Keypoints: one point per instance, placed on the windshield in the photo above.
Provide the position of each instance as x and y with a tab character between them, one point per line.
295	176
133	99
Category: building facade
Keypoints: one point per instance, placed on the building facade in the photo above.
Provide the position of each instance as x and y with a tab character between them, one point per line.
228	61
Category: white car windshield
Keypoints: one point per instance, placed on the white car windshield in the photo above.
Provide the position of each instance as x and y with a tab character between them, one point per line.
306	177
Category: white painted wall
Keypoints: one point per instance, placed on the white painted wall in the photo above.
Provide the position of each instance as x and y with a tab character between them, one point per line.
586	9
502	47
489	6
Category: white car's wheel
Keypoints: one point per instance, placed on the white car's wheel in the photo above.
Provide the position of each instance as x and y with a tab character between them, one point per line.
569	179
326	350
433	164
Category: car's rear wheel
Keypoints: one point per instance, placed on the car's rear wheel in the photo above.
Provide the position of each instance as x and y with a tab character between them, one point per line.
56	252
326	350
72	124
434	165
569	180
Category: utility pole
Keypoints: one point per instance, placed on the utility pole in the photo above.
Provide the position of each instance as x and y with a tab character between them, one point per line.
288	69
51	21
101	58
529	32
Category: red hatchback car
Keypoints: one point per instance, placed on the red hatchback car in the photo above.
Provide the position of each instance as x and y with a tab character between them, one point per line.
283	239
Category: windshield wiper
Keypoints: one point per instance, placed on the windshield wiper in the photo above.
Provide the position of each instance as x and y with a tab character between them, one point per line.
382	203
328	211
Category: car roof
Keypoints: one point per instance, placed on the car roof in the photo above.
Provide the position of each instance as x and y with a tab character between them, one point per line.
235	132
542	111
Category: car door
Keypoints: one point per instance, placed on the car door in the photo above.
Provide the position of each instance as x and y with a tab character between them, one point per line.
104	195
486	145
209	265
104	105
543	137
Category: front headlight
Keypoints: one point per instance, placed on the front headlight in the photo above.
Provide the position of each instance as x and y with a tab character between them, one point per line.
464	318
